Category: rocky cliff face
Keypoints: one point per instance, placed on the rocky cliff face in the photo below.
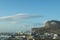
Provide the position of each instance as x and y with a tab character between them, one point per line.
52	24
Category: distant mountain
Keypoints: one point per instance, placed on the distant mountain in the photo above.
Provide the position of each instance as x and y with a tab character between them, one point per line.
50	26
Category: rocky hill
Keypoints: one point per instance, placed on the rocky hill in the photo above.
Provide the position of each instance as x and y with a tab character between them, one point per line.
50	26
54	24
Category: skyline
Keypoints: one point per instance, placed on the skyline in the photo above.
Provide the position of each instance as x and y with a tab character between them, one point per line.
15	13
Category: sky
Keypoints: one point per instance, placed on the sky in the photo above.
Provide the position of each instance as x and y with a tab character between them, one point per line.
21	15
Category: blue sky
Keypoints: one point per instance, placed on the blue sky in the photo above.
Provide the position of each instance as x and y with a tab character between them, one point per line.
47	9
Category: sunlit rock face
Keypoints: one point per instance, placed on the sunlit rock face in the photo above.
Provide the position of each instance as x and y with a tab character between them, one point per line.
52	24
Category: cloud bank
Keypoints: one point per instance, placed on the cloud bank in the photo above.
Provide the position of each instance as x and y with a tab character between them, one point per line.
18	16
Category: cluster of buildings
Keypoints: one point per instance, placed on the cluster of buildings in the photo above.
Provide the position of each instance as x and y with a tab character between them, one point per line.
16	36
29	36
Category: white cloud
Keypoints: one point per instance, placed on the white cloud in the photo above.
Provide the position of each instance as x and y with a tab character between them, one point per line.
18	16
13	17
45	21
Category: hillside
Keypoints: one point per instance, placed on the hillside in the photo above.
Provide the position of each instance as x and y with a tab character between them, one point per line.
50	26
